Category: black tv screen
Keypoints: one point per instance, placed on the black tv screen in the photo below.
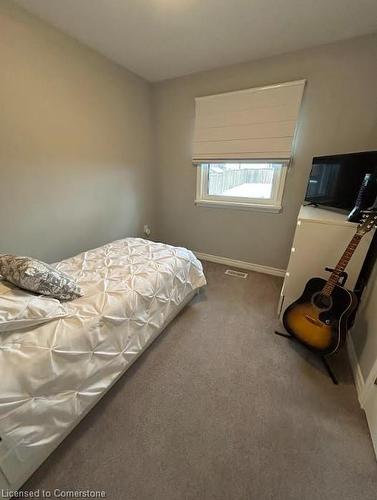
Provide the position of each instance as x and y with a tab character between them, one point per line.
335	181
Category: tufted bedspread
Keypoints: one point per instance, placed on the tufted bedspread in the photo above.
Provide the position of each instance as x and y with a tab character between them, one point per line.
51	375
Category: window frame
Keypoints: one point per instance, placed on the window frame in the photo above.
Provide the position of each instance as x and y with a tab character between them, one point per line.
273	204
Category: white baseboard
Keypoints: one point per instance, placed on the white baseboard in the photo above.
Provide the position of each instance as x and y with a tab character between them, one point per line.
357	374
241	264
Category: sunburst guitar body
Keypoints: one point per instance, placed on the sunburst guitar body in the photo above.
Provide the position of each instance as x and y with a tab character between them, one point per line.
318	321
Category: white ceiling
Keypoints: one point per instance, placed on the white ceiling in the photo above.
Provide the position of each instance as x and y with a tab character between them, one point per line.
160	39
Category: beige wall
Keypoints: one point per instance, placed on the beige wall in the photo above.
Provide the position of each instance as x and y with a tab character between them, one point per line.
79	146
338	115
75	143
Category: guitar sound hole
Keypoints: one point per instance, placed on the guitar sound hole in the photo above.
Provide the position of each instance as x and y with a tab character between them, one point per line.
322	301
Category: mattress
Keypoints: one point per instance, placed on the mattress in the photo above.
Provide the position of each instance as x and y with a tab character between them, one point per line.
52	374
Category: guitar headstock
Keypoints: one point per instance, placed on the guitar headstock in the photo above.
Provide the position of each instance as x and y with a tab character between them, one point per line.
368	222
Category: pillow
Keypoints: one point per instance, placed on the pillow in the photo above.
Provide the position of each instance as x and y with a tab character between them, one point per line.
36	276
19	309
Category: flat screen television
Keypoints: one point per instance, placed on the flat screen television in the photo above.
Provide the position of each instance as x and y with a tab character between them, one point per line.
335	181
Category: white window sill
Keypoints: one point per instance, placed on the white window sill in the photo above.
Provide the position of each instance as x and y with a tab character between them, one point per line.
239	205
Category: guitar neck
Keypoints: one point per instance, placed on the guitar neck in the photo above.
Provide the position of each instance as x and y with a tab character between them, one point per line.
342	264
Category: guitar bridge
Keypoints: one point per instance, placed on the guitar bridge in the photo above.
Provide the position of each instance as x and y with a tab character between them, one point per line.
315	321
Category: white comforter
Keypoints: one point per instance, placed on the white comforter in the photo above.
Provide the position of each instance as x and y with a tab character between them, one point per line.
52	374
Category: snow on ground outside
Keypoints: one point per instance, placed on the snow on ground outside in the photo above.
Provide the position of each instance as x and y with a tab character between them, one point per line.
249	191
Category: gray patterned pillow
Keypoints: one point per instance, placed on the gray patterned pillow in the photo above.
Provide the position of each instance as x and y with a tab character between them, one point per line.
36	276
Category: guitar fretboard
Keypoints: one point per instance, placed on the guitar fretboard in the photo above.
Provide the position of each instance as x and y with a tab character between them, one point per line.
342	264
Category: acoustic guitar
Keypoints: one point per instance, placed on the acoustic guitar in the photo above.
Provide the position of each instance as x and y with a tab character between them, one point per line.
319	318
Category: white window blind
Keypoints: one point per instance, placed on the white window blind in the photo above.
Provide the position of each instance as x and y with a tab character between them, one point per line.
247	124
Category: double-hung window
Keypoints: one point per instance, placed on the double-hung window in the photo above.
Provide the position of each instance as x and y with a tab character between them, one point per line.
243	144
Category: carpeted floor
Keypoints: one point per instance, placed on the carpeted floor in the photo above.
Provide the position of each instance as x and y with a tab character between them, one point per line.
220	408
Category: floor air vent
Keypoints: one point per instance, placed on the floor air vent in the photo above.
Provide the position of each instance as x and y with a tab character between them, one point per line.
236	274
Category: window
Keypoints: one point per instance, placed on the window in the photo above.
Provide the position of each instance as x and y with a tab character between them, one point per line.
243	142
249	184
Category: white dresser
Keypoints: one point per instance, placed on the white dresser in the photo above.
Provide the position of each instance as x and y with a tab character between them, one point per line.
320	239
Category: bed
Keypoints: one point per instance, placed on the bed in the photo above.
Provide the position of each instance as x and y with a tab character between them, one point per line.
54	373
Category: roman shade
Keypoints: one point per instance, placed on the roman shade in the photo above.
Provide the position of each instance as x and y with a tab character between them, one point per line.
247	124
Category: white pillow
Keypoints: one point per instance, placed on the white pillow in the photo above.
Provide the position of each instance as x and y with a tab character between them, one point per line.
20	309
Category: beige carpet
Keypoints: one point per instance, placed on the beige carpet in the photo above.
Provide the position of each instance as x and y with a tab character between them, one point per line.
221	408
